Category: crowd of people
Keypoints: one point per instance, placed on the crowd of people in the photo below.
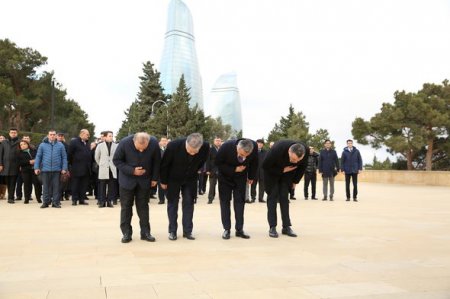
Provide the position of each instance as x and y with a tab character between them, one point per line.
140	167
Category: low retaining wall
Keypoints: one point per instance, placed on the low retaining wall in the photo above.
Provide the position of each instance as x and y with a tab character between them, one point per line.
414	177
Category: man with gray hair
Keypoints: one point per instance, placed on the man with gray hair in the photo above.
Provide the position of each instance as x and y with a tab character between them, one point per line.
138	159
179	166
284	166
237	161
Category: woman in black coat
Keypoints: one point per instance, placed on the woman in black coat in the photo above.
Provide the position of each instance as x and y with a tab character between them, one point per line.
26	163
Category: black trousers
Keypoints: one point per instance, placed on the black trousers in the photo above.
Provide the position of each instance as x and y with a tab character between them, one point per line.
127	200
261	187
278	192
30	180
354	178
226	192
188	192
161	193
111	194
11	181
212	186
79	187
19	185
202	180
310	177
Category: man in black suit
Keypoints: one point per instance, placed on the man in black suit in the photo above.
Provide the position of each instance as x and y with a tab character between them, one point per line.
138	159
211	169
179	166
80	161
259	174
237	161
284	166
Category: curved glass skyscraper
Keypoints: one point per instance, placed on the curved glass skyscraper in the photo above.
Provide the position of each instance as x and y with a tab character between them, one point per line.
224	101
179	55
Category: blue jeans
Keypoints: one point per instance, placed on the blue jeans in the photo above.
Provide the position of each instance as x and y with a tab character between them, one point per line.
50	187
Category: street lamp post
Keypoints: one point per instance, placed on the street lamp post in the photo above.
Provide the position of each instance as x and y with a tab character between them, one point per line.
152	115
53	106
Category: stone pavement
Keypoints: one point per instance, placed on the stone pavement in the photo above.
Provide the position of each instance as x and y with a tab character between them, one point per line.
394	243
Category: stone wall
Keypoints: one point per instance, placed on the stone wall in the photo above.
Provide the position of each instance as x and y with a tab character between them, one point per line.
431	178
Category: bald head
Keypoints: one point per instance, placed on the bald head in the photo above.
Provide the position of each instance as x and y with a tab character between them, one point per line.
141	141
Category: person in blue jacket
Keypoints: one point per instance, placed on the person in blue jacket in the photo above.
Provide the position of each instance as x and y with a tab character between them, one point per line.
351	165
50	162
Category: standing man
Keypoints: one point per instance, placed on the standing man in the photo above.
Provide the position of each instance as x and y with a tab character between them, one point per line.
138	159
179	166
162	193
283	167
211	168
65	185
80	160
9	164
259	174
107	172
328	167
237	161
351	165
311	174
50	162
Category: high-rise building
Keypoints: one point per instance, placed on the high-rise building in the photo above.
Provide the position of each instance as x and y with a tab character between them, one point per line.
179	55
224	101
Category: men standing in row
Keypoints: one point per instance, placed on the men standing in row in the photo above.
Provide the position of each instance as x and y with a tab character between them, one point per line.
163	141
50	162
211	169
351	165
283	167
80	160
328	167
138	159
311	174
9	166
179	166
259	174
237	161
107	172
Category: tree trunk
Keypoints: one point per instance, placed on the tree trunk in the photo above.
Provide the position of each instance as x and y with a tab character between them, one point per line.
429	156
409	160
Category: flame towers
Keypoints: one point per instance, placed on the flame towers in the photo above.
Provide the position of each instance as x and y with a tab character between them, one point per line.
179	56
224	101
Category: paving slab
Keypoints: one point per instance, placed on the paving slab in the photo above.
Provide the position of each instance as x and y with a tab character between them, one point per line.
393	243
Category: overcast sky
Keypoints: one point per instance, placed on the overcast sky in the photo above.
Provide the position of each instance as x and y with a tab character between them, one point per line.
333	60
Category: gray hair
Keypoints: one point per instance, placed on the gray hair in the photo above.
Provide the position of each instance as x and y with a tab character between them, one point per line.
298	149
246	145
195	140
141	138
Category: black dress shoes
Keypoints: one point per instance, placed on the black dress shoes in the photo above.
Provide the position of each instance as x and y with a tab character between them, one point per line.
314	198
242	234
209	202
348	199
148	237
56	206
74	203
160	202
288	231
261	200
83	203
101	205
188	236
44	205
324	199
226	234
293	198
354	199
273	232
126	238
109	205
248	201
172	236
331	198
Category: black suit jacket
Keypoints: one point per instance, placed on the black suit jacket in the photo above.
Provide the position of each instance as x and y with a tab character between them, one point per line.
127	157
178	166
79	157
226	161
277	158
